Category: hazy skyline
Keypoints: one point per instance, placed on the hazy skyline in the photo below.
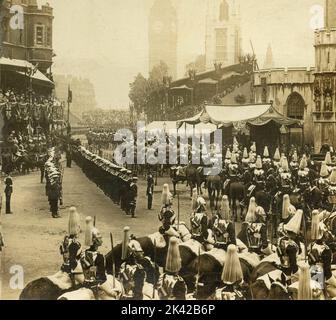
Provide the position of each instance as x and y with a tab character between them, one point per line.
107	41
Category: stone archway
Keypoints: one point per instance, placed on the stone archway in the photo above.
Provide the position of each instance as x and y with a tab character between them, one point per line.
295	109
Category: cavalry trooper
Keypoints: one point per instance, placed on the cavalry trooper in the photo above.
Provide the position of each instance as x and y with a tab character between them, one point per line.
233	168
319	253
71	248
223	227
259	175
246	159
194	200
289	246
199	221
329	162
171	286
323	182
233	287
253	150
267	162
332	189
255	230
93	262
294	167
227	160
134	259
288	210
276	158
167	215
286	183
303	182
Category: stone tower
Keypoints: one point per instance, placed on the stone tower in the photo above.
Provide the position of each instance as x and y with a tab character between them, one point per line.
325	80
269	62
162	36
223	33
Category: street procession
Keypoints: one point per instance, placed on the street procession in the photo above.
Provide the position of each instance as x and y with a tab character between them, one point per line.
213	183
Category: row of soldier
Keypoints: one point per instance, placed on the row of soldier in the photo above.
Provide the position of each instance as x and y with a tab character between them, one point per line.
116	182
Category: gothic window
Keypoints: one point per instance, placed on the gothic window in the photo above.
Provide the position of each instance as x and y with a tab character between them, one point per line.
295	106
48	37
224	11
39	34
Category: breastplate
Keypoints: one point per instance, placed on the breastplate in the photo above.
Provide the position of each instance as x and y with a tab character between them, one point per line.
221	232
254	235
196	224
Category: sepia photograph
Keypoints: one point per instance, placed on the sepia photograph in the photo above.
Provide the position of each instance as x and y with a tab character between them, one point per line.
168	150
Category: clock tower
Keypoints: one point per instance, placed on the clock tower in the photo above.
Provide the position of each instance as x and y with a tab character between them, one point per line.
162	36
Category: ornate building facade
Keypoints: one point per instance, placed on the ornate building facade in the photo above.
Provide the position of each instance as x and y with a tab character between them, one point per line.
223	34
162	36
33	41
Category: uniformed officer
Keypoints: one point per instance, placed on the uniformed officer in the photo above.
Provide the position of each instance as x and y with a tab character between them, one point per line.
150	191
133	193
8	193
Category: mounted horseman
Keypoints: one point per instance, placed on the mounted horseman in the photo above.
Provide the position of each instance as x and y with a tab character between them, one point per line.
323	184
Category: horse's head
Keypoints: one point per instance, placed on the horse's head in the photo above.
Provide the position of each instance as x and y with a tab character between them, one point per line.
278	291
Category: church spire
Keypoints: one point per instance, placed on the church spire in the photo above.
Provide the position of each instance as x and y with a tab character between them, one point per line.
269	62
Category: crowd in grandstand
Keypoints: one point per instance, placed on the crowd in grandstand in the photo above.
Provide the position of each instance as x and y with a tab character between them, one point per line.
112	119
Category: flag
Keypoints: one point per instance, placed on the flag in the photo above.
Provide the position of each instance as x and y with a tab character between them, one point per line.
69	95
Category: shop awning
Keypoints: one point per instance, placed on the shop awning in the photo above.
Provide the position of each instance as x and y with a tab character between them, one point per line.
227	115
184	87
20	66
189	128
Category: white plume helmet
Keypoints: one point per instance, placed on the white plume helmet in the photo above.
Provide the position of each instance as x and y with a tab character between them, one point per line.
251	157
225	208
88	231
295	157
74	222
315	225
324	170
259	163
233	158
254	147
235	141
251	212
173	260
266	152
305	291
284	164
332	177
294	225
125	242
287	208
328	159
235	148
228	154
166	195
232	271
245	153
303	163
276	156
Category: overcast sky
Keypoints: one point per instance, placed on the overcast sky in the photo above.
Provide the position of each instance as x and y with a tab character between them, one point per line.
106	40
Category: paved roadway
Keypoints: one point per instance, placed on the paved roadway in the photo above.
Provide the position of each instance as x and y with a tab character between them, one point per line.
32	237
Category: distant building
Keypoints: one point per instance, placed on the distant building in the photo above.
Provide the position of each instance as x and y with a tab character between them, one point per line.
83	93
162	36
223	33
34	42
307	93
269	62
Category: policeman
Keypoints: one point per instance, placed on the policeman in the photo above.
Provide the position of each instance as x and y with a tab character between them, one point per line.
150	191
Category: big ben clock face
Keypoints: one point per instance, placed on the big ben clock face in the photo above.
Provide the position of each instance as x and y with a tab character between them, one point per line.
158	26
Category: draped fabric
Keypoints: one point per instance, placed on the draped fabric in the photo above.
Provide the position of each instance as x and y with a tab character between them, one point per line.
240	116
